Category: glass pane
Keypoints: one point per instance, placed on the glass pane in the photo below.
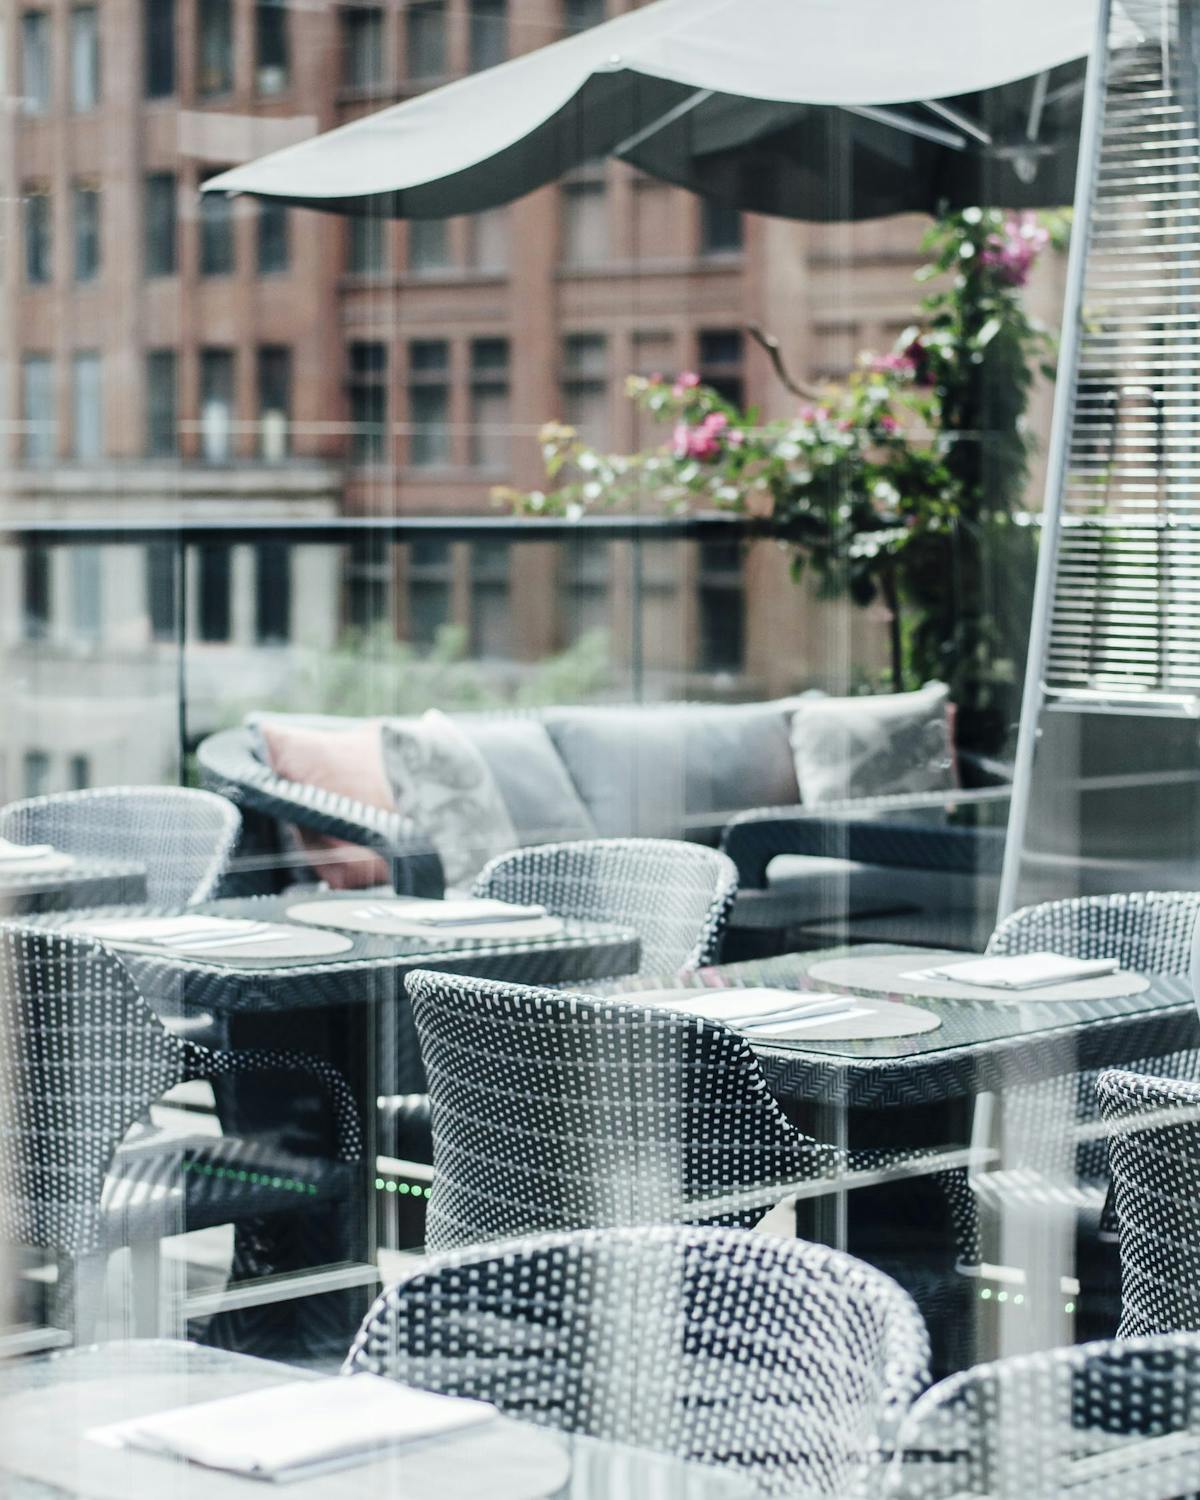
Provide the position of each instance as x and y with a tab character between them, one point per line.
159	223
488	33
216	405
162	437
271	46
39	244
425	33
87	408
585	237
39	428
274	244
85	58
214	46
158	47
85	203
36	62
216	235
367	245
362	47
428	246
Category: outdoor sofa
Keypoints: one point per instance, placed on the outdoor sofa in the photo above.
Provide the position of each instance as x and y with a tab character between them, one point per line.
726	775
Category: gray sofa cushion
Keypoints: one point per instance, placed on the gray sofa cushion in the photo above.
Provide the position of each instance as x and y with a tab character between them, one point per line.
871	745
677	769
541	798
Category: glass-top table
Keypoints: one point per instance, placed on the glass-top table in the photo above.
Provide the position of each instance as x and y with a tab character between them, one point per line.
48	1405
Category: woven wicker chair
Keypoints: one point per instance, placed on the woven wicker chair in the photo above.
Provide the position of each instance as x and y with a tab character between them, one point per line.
1155	1153
556	1111
1099	1421
1062	1168
184	838
676	896
785	1359
82	1059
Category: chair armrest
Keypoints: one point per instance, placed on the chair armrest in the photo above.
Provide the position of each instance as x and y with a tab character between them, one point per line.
229	766
210	1063
752	839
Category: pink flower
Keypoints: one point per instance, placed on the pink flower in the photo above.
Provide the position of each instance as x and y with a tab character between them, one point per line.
889	423
703	441
1012	253
893	364
656	378
845	425
686	382
807	414
735	437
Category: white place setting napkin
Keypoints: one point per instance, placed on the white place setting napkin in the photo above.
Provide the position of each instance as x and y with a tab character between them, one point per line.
1020	971
761	1013
298	1429
31	859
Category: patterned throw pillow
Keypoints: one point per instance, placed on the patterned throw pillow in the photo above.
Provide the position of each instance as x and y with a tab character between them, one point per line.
442	783
870	746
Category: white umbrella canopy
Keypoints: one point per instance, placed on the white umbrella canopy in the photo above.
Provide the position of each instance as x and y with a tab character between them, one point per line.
810	109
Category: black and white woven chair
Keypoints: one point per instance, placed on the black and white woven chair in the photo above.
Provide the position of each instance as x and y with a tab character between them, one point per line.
788	1360
555	1111
1155	1152
1098	1421
676	896
183	838
1064	1164
82	1171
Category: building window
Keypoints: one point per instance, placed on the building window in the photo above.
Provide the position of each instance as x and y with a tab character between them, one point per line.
271	46
85	58
161	590
274	249
40	407
721	355
37	773
273	597
79	773
35	592
366	245
584	207
368	403
428	246
274	402
722	607
36	64
429	403
579	15
213	562
87	408
216	235
368	581
489	33
430	583
39	248
488	241
491	408
362	47
86	595
216	405
425	39
491	617
85	231
653	356
158	224
585	587
585	386
214	47
158	48
162	384
720	228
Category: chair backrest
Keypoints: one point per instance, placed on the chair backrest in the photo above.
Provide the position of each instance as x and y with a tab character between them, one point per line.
82	1058
719	1346
556	1111
677	896
1149	931
1102	1421
183	837
1155	1154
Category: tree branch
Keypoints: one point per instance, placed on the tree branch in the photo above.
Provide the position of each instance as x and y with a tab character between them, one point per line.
770	343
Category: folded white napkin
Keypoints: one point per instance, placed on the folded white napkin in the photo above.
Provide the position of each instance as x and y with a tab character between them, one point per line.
275	1433
755	1006
1022	971
23	853
160	929
458	913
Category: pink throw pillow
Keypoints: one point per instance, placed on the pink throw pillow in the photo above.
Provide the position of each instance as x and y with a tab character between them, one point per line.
349	763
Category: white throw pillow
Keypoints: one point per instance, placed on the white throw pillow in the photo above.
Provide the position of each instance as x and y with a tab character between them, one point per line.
870	746
442	783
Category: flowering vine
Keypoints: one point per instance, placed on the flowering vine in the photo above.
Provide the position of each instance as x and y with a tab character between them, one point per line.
901	481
